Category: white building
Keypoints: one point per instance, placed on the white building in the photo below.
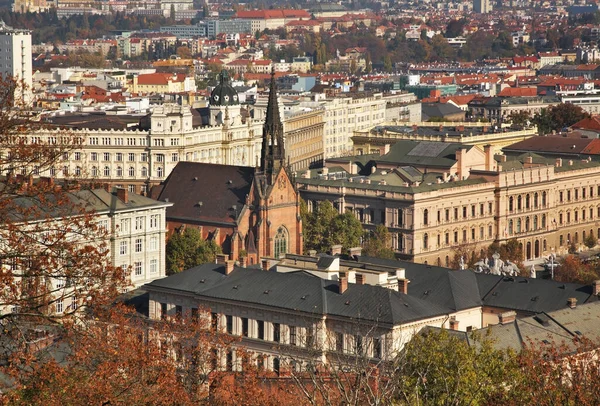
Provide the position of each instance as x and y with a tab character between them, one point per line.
15	58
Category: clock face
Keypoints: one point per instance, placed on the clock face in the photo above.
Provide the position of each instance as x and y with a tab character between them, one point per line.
216	97
226	98
235	97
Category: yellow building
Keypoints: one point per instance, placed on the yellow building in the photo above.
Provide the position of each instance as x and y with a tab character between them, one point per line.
435	197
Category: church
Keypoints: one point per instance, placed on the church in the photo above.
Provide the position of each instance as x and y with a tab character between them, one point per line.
251	212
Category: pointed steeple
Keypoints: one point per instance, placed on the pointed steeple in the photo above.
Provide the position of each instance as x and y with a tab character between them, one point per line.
273	151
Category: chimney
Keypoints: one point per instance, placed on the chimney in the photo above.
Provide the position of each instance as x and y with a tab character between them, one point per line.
222	258
461	163
386	149
360	279
355	251
558	162
243	262
596	287
229	266
502	158
570	162
353	168
123	194
415	127
572	302
265	264
336	249
402	281
489	157
529	159
312	253
453	323
342	285
507	317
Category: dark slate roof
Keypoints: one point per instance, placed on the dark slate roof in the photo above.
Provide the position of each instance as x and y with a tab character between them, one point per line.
299	291
556	145
453	290
96	121
533	295
206	192
440	110
430	153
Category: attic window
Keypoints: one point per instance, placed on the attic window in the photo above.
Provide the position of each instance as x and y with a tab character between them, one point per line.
266	292
229	182
347	303
304	297
202	280
195	178
235	287
535	298
578	333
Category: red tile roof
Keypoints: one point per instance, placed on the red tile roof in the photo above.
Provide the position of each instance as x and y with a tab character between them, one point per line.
590	123
159	78
518	92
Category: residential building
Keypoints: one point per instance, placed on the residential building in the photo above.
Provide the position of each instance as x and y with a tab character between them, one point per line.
497	109
249	211
435	197
16	60
482	6
163	83
320	307
271	19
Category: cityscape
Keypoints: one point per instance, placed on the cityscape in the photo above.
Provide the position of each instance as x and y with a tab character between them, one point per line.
299	203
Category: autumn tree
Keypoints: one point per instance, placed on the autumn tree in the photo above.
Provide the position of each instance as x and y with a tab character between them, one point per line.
573	270
519	119
121	358
188	249
55	258
558	117
325	227
379	243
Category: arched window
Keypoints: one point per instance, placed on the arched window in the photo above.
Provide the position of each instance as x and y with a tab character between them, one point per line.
425	216
518	225
535	222
107	171
131	171
447	260
281	241
527	199
527	224
543	199
543	221
144	172
159	172
510	227
94	171
510	204
545	245
519	203
78	171
425	241
535	200
119	171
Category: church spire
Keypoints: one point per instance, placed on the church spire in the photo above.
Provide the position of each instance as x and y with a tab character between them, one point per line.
273	151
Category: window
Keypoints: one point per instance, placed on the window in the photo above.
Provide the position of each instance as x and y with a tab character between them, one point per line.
139	223
510	204
490	207
293	336
447	238
123	248
447	215
473	211
245	326
94	171
77	156
464	236
276	332
124	225
138	245
464	212
456	237
560	196
229	320
160	172
59	306
339	342
425	241
94	156
106	156
144	172
358	344
119	171
481	209
160	158
560	218
131	172
519	202
510	227
214	321
456	213
377	348
425	217
131	188
137	266
490	231
143	157
281	242
119	157
163	310
174	157
472	234
439	216
131	157
260	329
527	201
106	171
153	265
153	244
154	220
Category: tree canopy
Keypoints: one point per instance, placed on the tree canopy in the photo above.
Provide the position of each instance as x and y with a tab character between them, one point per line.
188	249
379	243
558	117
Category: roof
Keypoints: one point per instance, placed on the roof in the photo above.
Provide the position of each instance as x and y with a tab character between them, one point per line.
440	110
588	123
299	292
159	78
206	192
430	153
518	92
556	145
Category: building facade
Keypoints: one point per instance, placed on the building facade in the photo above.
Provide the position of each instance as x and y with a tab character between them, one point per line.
15	55
438	197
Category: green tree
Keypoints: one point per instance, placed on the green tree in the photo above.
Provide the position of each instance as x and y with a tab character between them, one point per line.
590	241
519	119
379	244
188	249
512	250
325	227
559	116
455	28
387	64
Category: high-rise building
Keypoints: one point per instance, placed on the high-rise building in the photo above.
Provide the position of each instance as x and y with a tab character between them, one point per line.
15	59
482	6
